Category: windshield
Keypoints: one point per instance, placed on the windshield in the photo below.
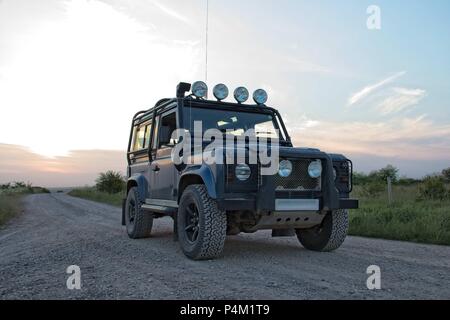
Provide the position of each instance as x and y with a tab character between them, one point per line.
231	122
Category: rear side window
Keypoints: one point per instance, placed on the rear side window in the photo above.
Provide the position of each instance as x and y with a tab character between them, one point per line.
148	130
141	136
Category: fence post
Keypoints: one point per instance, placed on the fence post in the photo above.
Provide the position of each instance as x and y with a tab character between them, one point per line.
389	189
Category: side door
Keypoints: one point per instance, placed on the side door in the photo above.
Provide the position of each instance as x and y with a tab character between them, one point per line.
162	171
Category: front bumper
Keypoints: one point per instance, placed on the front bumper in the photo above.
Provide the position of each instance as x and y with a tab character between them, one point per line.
348	203
250	202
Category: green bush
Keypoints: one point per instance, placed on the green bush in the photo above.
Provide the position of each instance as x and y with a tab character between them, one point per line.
372	189
360	178
5	186
433	188
405	181
446	174
20	185
381	175
110	182
377	176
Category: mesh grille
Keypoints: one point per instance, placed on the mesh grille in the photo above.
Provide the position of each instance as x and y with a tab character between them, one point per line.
299	179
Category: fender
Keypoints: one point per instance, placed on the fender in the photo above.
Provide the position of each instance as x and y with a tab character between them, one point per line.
205	174
337	157
141	182
329	188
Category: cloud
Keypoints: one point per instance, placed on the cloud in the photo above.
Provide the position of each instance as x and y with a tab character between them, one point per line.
306	66
406	138
363	93
171	13
79	68
301	122
401	99
78	168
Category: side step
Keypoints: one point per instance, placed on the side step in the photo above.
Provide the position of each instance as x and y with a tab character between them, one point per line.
160	206
159	209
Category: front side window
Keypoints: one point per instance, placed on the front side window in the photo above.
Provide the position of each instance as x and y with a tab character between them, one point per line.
167	127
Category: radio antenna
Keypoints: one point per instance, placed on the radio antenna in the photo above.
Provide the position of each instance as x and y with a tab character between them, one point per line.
206	44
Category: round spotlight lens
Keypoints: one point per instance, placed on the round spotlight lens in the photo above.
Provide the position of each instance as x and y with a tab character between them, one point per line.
241	94
242	171
315	169
220	91
285	168
260	96
200	89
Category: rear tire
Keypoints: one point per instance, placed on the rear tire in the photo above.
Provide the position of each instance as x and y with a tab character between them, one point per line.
329	235
201	226
139	223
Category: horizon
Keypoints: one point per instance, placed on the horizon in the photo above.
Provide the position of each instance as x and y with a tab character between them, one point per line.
377	96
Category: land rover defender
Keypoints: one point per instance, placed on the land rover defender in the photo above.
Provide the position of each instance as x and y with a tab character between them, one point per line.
307	194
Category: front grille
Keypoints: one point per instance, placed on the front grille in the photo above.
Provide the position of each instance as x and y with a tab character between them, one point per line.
299	179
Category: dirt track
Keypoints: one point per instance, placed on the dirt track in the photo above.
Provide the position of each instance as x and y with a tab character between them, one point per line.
57	230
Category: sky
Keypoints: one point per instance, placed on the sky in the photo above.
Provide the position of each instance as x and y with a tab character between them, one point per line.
72	74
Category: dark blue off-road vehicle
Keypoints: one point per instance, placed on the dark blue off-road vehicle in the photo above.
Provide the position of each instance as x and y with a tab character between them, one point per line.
307	195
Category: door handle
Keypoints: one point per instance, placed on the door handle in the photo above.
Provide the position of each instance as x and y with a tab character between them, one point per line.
156	168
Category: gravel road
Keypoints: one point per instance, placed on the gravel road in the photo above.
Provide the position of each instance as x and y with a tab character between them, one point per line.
57	230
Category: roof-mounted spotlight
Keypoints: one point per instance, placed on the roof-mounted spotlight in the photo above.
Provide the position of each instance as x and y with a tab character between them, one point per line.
241	94
200	89
260	96
220	91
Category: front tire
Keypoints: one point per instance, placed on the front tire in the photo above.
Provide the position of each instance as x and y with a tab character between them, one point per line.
201	226
329	235
138	222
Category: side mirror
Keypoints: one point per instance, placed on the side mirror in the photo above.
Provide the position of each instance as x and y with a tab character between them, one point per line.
164	135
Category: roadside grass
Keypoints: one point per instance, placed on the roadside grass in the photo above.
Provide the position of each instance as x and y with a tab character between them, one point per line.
91	193
407	218
9	206
10	201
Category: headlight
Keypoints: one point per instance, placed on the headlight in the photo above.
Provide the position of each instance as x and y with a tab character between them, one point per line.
334	174
315	169
200	89
241	94
285	168
220	91
242	171
260	96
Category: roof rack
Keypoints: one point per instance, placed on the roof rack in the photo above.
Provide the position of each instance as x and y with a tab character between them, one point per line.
144	115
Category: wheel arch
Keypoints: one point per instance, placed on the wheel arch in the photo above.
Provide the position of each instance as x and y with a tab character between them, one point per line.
141	183
198	175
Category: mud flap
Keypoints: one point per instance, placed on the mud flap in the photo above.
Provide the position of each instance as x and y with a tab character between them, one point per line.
283	232
123	211
175	226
